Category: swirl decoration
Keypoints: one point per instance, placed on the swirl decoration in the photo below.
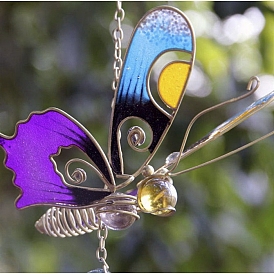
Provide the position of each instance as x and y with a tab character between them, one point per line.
79	175
136	137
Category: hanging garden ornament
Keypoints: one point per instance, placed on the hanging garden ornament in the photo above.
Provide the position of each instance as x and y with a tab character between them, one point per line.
79	209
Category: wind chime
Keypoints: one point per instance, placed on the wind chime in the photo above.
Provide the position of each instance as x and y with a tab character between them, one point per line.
76	209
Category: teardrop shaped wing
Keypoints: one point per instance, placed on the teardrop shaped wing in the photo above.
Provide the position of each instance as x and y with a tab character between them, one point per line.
160	30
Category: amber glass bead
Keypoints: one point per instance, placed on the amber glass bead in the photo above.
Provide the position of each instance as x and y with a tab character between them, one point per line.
157	196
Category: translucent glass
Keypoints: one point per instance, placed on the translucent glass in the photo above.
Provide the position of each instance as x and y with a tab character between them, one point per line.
118	217
158	197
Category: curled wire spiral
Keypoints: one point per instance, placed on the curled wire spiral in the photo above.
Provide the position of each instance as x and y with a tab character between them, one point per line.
136	137
66	222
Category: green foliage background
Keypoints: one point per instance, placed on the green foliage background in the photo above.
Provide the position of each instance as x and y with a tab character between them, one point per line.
61	54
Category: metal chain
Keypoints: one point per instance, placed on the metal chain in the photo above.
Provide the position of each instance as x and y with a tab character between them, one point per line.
101	252
118	35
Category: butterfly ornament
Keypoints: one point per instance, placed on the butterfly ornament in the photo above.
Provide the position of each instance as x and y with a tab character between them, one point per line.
77	209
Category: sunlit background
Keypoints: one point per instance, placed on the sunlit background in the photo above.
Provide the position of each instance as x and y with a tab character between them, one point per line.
61	54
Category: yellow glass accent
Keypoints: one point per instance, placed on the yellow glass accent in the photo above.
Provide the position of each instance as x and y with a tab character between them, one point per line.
171	83
157	196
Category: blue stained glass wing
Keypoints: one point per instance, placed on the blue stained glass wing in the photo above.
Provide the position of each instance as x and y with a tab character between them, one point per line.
160	30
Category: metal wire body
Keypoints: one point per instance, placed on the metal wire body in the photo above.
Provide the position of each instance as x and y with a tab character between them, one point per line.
67	222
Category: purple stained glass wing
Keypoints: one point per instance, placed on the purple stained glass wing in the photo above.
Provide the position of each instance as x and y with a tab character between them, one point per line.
29	155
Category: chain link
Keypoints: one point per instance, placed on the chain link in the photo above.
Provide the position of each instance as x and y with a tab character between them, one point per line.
101	252
118	36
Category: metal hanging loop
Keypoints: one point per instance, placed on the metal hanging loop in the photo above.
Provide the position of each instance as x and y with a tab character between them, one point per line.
118	36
